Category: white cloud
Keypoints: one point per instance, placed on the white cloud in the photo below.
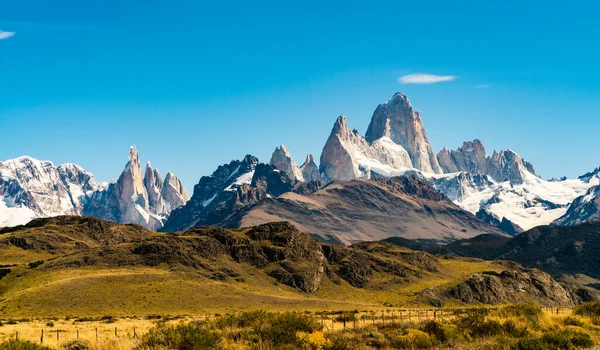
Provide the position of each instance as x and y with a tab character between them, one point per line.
423	78
6	35
483	86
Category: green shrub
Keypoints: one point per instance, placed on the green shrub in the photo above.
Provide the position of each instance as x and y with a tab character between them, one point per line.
513	330
282	328
193	336
588	309
475	325
531	344
76	345
436	331
338	342
529	312
572	321
567	339
21	345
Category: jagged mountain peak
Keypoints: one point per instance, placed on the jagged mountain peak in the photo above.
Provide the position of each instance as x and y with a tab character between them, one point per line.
397	120
282	160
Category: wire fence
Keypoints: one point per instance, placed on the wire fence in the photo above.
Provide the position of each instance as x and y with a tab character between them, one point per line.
57	332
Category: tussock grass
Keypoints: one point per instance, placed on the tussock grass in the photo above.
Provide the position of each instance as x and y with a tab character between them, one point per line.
515	327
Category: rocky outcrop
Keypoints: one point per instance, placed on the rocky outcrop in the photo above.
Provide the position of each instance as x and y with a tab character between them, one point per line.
310	170
396	120
472	158
514	285
504	224
282	160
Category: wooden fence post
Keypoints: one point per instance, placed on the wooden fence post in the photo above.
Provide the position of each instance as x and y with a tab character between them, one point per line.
116	332
78	334
134	333
17	335
344	317
42	337
58	335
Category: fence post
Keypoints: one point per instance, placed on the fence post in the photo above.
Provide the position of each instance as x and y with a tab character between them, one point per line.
134	333
116	332
78	334
96	334
58	335
17	335
42	337
344	316
401	319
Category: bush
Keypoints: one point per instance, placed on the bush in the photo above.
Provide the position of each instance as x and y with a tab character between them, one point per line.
21	345
476	326
572	321
567	339
513	330
531	344
338	342
33	265
282	328
76	345
436	331
588	309
196	336
529	312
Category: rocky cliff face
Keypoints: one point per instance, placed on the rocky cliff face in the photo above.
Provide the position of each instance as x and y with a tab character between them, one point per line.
173	192
347	155
153	184
396	120
472	158
282	160
310	170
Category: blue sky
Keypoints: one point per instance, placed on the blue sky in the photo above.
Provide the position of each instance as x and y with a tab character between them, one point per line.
195	84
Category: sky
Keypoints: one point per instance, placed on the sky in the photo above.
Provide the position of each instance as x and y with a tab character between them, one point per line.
195	84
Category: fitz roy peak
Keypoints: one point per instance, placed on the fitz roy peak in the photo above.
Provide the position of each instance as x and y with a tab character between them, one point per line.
30	188
396	120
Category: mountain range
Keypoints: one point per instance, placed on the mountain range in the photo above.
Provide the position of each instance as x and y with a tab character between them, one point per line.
359	190
30	188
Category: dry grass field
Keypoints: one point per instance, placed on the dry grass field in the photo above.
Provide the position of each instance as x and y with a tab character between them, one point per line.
512	327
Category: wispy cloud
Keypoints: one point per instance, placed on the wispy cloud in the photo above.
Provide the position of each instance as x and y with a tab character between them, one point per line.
6	35
483	86
423	78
